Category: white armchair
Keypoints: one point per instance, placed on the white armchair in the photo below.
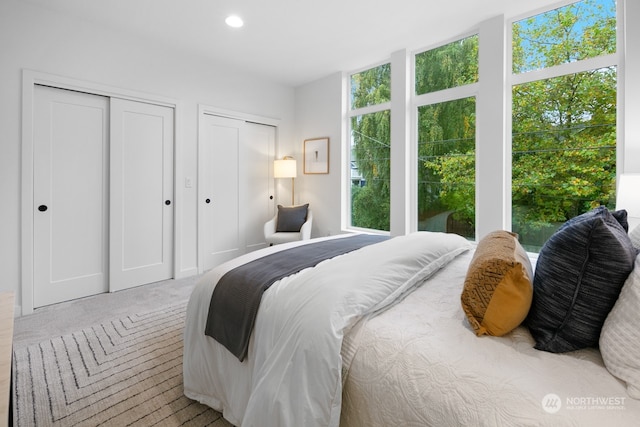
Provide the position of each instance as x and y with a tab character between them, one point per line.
274	237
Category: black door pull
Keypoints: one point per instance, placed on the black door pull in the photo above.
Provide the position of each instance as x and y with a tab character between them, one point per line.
167	202
42	208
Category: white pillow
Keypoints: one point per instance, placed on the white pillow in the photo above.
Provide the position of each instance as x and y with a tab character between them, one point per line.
620	335
634	235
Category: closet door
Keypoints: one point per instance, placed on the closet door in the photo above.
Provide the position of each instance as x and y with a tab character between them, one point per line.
235	187
259	141
141	202
70	193
221	230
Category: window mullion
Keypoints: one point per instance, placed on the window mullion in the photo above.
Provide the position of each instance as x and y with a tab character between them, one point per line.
369	109
445	95
564	69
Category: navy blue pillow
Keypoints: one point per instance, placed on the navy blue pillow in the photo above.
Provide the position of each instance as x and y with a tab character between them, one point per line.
579	274
291	219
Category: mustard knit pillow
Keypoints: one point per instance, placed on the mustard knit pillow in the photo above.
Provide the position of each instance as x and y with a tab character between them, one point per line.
498	288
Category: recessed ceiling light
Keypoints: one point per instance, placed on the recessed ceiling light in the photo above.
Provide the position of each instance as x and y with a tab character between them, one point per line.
234	21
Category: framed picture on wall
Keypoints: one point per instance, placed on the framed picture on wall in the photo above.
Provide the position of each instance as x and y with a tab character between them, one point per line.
316	155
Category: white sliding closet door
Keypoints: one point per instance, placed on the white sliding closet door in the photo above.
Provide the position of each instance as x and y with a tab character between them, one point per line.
221	229
235	187
70	218
141	203
260	143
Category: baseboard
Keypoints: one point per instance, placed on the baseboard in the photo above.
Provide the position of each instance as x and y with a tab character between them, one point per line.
186	273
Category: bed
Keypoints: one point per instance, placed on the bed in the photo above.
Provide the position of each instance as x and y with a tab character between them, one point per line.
406	356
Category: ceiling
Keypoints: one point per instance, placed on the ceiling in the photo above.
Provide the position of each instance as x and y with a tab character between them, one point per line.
293	42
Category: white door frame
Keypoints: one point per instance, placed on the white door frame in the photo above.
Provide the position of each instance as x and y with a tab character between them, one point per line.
215	111
31	78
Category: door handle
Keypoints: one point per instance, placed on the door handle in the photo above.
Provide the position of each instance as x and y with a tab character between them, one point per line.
42	208
167	202
208	201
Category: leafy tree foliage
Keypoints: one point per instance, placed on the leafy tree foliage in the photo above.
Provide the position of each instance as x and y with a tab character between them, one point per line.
564	129
371	138
451	65
447	160
446	135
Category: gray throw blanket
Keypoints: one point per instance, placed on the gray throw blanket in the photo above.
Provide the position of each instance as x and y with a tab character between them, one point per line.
236	297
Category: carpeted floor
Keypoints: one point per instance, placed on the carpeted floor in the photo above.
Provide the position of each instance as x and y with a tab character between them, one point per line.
126	371
66	317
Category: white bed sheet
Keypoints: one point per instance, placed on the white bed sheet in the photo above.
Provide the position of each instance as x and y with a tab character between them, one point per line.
420	364
212	374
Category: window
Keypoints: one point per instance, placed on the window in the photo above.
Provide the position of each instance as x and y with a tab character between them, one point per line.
446	137
563	119
559	106
370	128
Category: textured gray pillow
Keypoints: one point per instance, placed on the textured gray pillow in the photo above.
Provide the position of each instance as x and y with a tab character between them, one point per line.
291	219
578	277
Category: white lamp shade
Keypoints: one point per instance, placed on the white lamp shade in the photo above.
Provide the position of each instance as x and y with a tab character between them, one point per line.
628	197
285	168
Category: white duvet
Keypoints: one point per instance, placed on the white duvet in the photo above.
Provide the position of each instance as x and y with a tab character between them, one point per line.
293	374
420	364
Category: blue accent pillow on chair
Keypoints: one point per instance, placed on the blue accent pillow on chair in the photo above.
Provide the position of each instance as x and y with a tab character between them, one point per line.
291	219
579	274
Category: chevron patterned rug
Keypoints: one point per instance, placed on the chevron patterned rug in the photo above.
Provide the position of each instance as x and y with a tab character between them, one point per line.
126	372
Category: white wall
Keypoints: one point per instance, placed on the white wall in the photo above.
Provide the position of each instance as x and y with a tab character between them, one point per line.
36	39
319	114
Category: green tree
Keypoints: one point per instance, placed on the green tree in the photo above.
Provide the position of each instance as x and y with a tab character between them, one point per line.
446	150
371	139
563	139
446	133
452	65
564	129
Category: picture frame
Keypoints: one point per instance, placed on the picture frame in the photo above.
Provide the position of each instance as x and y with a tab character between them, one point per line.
316	156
